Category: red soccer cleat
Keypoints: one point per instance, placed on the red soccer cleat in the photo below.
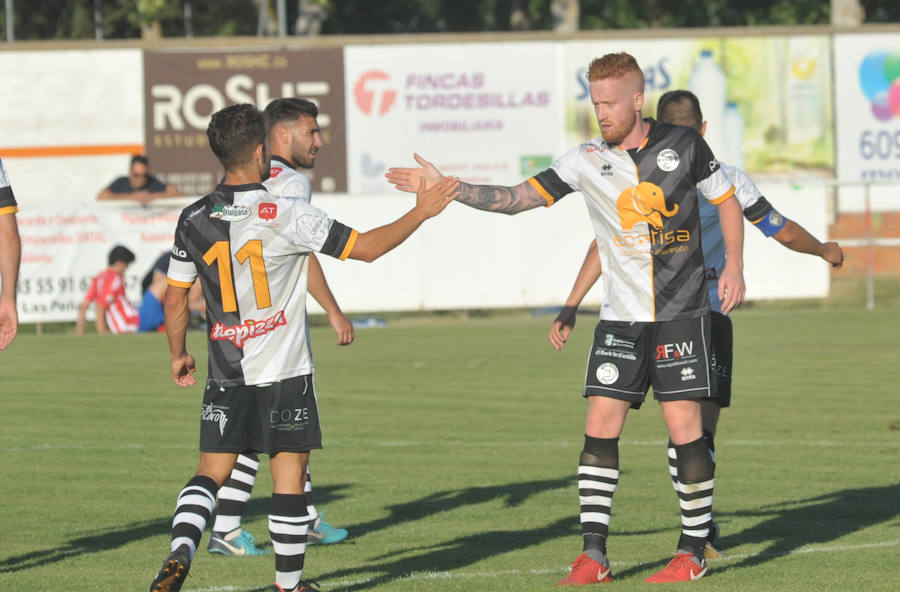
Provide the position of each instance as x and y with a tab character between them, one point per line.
587	571
684	568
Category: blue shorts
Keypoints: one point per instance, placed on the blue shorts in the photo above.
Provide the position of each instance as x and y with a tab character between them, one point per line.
151	313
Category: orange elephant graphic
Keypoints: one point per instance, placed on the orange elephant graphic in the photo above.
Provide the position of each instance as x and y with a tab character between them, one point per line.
645	202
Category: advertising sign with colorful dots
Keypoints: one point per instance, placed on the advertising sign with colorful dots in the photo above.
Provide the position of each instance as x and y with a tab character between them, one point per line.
867	83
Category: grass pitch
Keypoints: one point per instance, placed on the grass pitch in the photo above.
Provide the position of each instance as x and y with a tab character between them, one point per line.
450	452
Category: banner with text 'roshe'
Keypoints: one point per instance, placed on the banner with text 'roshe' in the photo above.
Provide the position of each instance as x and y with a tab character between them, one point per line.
766	99
867	70
184	88
486	112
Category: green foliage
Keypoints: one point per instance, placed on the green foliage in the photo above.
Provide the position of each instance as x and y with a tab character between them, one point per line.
450	451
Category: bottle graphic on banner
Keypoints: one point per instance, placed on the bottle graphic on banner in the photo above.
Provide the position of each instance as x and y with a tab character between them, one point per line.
733	152
708	83
804	89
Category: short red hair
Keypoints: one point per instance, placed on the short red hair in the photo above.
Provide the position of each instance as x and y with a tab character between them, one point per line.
615	65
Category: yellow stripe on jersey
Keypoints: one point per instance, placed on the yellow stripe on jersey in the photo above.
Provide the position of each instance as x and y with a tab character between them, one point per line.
722	198
351	242
178	284
543	192
9	210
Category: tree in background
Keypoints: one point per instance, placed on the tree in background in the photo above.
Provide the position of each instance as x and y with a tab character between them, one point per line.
124	19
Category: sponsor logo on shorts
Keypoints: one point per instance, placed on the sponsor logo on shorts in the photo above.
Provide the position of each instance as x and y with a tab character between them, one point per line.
611	353
239	334
229	213
287	416
687	374
612	341
216	414
607	373
668	160
675	351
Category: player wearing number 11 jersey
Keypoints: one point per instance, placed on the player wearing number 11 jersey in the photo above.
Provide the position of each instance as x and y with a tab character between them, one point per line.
248	248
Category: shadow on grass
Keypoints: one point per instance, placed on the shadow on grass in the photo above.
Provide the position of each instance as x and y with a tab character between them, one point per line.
463	551
106	540
792	525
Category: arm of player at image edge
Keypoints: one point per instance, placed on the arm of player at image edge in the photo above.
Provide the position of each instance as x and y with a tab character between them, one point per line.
429	203
588	275
10	255
731	282
177	316
491	198
318	288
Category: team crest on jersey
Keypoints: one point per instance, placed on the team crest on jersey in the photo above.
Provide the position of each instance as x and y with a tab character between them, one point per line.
229	213
668	160
239	334
645	202
268	211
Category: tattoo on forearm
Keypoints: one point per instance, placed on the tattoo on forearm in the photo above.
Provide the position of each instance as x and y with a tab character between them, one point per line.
494	198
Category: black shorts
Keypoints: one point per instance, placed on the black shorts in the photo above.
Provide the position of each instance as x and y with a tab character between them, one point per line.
723	354
671	356
278	417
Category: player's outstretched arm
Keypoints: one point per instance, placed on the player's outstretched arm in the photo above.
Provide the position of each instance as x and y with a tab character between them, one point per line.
429	203
10	254
318	288
407	179
731	282
797	238
491	198
587	276
175	308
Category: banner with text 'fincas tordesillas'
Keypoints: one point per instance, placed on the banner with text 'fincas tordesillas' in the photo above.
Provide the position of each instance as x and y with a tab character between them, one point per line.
488	114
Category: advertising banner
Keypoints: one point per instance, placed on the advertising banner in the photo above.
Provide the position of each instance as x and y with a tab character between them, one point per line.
64	247
767	100
184	88
868	132
488	115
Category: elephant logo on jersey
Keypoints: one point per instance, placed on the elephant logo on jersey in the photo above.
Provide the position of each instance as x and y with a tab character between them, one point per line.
645	202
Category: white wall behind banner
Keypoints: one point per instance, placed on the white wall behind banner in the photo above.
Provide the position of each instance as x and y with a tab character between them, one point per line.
491	114
868	134
87	99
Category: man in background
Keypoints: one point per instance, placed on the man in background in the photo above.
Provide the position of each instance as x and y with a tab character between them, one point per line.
139	185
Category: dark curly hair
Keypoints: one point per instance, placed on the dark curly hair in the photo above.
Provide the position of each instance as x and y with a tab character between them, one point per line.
234	133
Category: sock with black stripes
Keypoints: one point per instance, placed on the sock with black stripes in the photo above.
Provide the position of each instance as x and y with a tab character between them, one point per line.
288	524
695	484
235	493
598	476
192	511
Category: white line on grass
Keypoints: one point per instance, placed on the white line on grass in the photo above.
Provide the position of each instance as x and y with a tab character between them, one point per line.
446	575
456	444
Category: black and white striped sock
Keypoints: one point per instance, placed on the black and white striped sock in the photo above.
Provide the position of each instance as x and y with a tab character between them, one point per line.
235	493
598	476
695	485
192	511
288	524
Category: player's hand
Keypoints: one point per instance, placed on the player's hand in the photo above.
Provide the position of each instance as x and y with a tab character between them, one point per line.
407	179
342	327
9	323
833	253
183	368
432	202
731	288
562	327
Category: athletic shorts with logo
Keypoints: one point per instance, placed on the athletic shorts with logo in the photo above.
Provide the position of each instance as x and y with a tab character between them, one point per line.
673	357
279	417
723	354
